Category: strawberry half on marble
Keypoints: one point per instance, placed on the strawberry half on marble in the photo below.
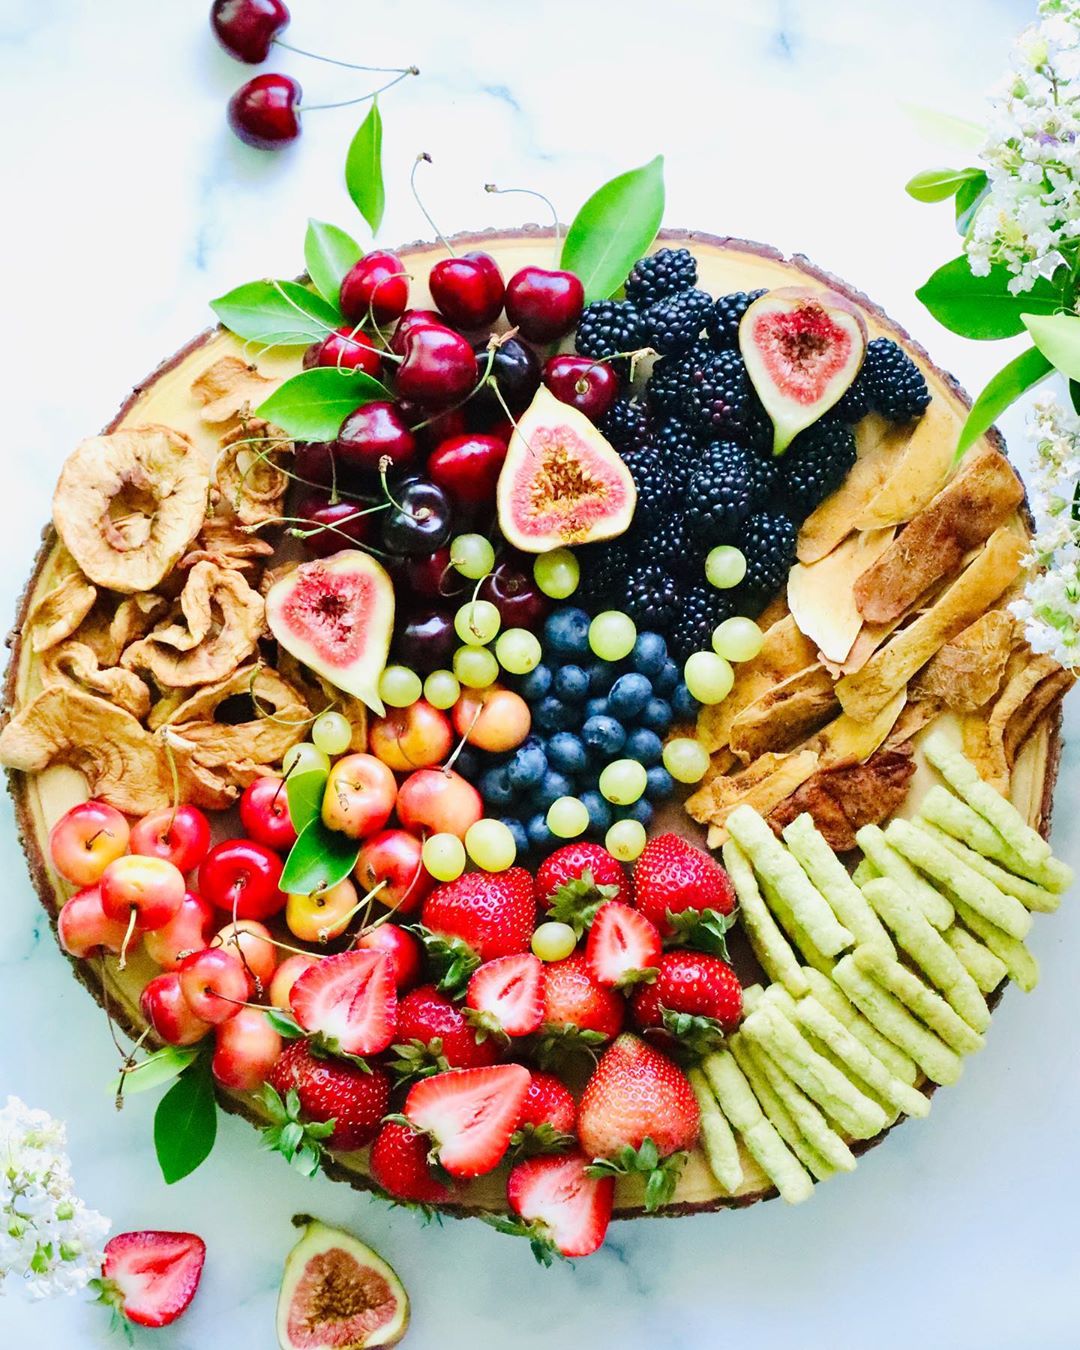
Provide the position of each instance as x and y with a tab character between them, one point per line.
150	1277
562	1207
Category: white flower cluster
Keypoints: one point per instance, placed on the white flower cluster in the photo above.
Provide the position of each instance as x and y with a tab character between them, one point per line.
48	1238
1030	219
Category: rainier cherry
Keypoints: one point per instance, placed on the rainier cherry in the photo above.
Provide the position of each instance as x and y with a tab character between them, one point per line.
145	892
187	931
544	304
285	977
583	382
264	810
438	801
347	349
246	1049
265	112
163	1005
322	915
412	737
469	290
438	366
242	877
180	836
214	982
376	287
251	941
246	28
392	859
84	927
360	794
86	839
401	947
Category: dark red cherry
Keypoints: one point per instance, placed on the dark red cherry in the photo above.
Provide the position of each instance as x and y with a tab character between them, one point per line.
511	589
467	467
372	431
346	348
376	288
426	641
343	525
584	383
438	366
413	318
431	576
419	520
431	429
469	290
515	368
246	28
265	112
544	304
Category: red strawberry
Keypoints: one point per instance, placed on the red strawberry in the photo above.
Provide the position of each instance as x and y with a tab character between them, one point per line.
577	879
434	1035
399	1164
505	995
349	1000
578	1012
546	1124
673	877
151	1277
695	999
623	946
639	1114
469	1114
327	1090
564	1208
476	918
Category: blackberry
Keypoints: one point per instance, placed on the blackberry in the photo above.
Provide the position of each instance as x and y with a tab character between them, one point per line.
651	598
607	327
674	324
673	437
661	274
703	607
816	463
889	383
768	542
656	489
603	571
718	399
722	324
667	546
666	381
625	424
729	485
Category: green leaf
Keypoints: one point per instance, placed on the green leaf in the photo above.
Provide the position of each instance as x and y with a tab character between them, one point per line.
305	793
1074	395
312	405
1057	336
982	307
185	1123
614	228
329	253
161	1067
363	169
281	312
320	858
937	185
285	1026
968	200
1005	388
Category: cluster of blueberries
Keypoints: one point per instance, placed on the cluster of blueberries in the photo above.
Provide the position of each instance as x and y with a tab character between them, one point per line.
586	713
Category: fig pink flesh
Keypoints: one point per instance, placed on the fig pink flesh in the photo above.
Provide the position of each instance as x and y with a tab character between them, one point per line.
802	350
338	1302
330	612
570	490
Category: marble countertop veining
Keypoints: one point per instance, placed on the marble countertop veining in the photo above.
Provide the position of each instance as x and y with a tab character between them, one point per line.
127	205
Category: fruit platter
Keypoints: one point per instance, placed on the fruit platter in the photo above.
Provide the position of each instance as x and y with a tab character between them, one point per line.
544	751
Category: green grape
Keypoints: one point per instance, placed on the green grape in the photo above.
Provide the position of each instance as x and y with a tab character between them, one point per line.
612	635
442	689
332	732
444	856
554	941
568	817
622	782
625	840
737	639
518	651
490	845
475	667
399	687
686	759
477	622
304	757
472	555
725	566
557	573
708	677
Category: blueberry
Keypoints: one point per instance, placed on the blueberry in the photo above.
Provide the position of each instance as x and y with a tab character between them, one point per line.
628	696
469	764
552	714
536	684
656	716
571	684
596	707
495	787
602	675
518	830
527	765
641	810
645	746
659	784
539	834
599	811
551	786
684	705
664	683
566	632
566	753
605	734
649	655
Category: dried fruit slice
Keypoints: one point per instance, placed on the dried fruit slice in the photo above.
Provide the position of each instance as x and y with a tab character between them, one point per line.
337	1294
335	615
561	482
802	349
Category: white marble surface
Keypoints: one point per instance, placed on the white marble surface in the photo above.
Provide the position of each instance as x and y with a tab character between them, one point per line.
127	204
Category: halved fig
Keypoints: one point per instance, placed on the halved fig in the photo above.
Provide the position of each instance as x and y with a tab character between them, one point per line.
337	1294
561	482
336	615
802	348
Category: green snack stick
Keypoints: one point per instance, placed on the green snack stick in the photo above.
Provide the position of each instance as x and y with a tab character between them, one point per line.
1018	959
955	817
864	872
750	995
832	997
871	839
929	950
718	1142
1032	897
926	1004
738	1103
833	1091
982	965
831	878
922	850
770	946
963	777
823	1147
775	865
783	911
939	1062
776	1111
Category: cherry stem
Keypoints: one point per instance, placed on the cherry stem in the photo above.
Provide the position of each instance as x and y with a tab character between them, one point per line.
132	921
346	919
531	192
128	1066
462	743
233	940
349	102
425	158
384	466
347	65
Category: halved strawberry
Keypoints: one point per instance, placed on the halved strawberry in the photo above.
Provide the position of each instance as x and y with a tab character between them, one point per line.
623	947
150	1277
505	995
469	1114
350	1001
564	1208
